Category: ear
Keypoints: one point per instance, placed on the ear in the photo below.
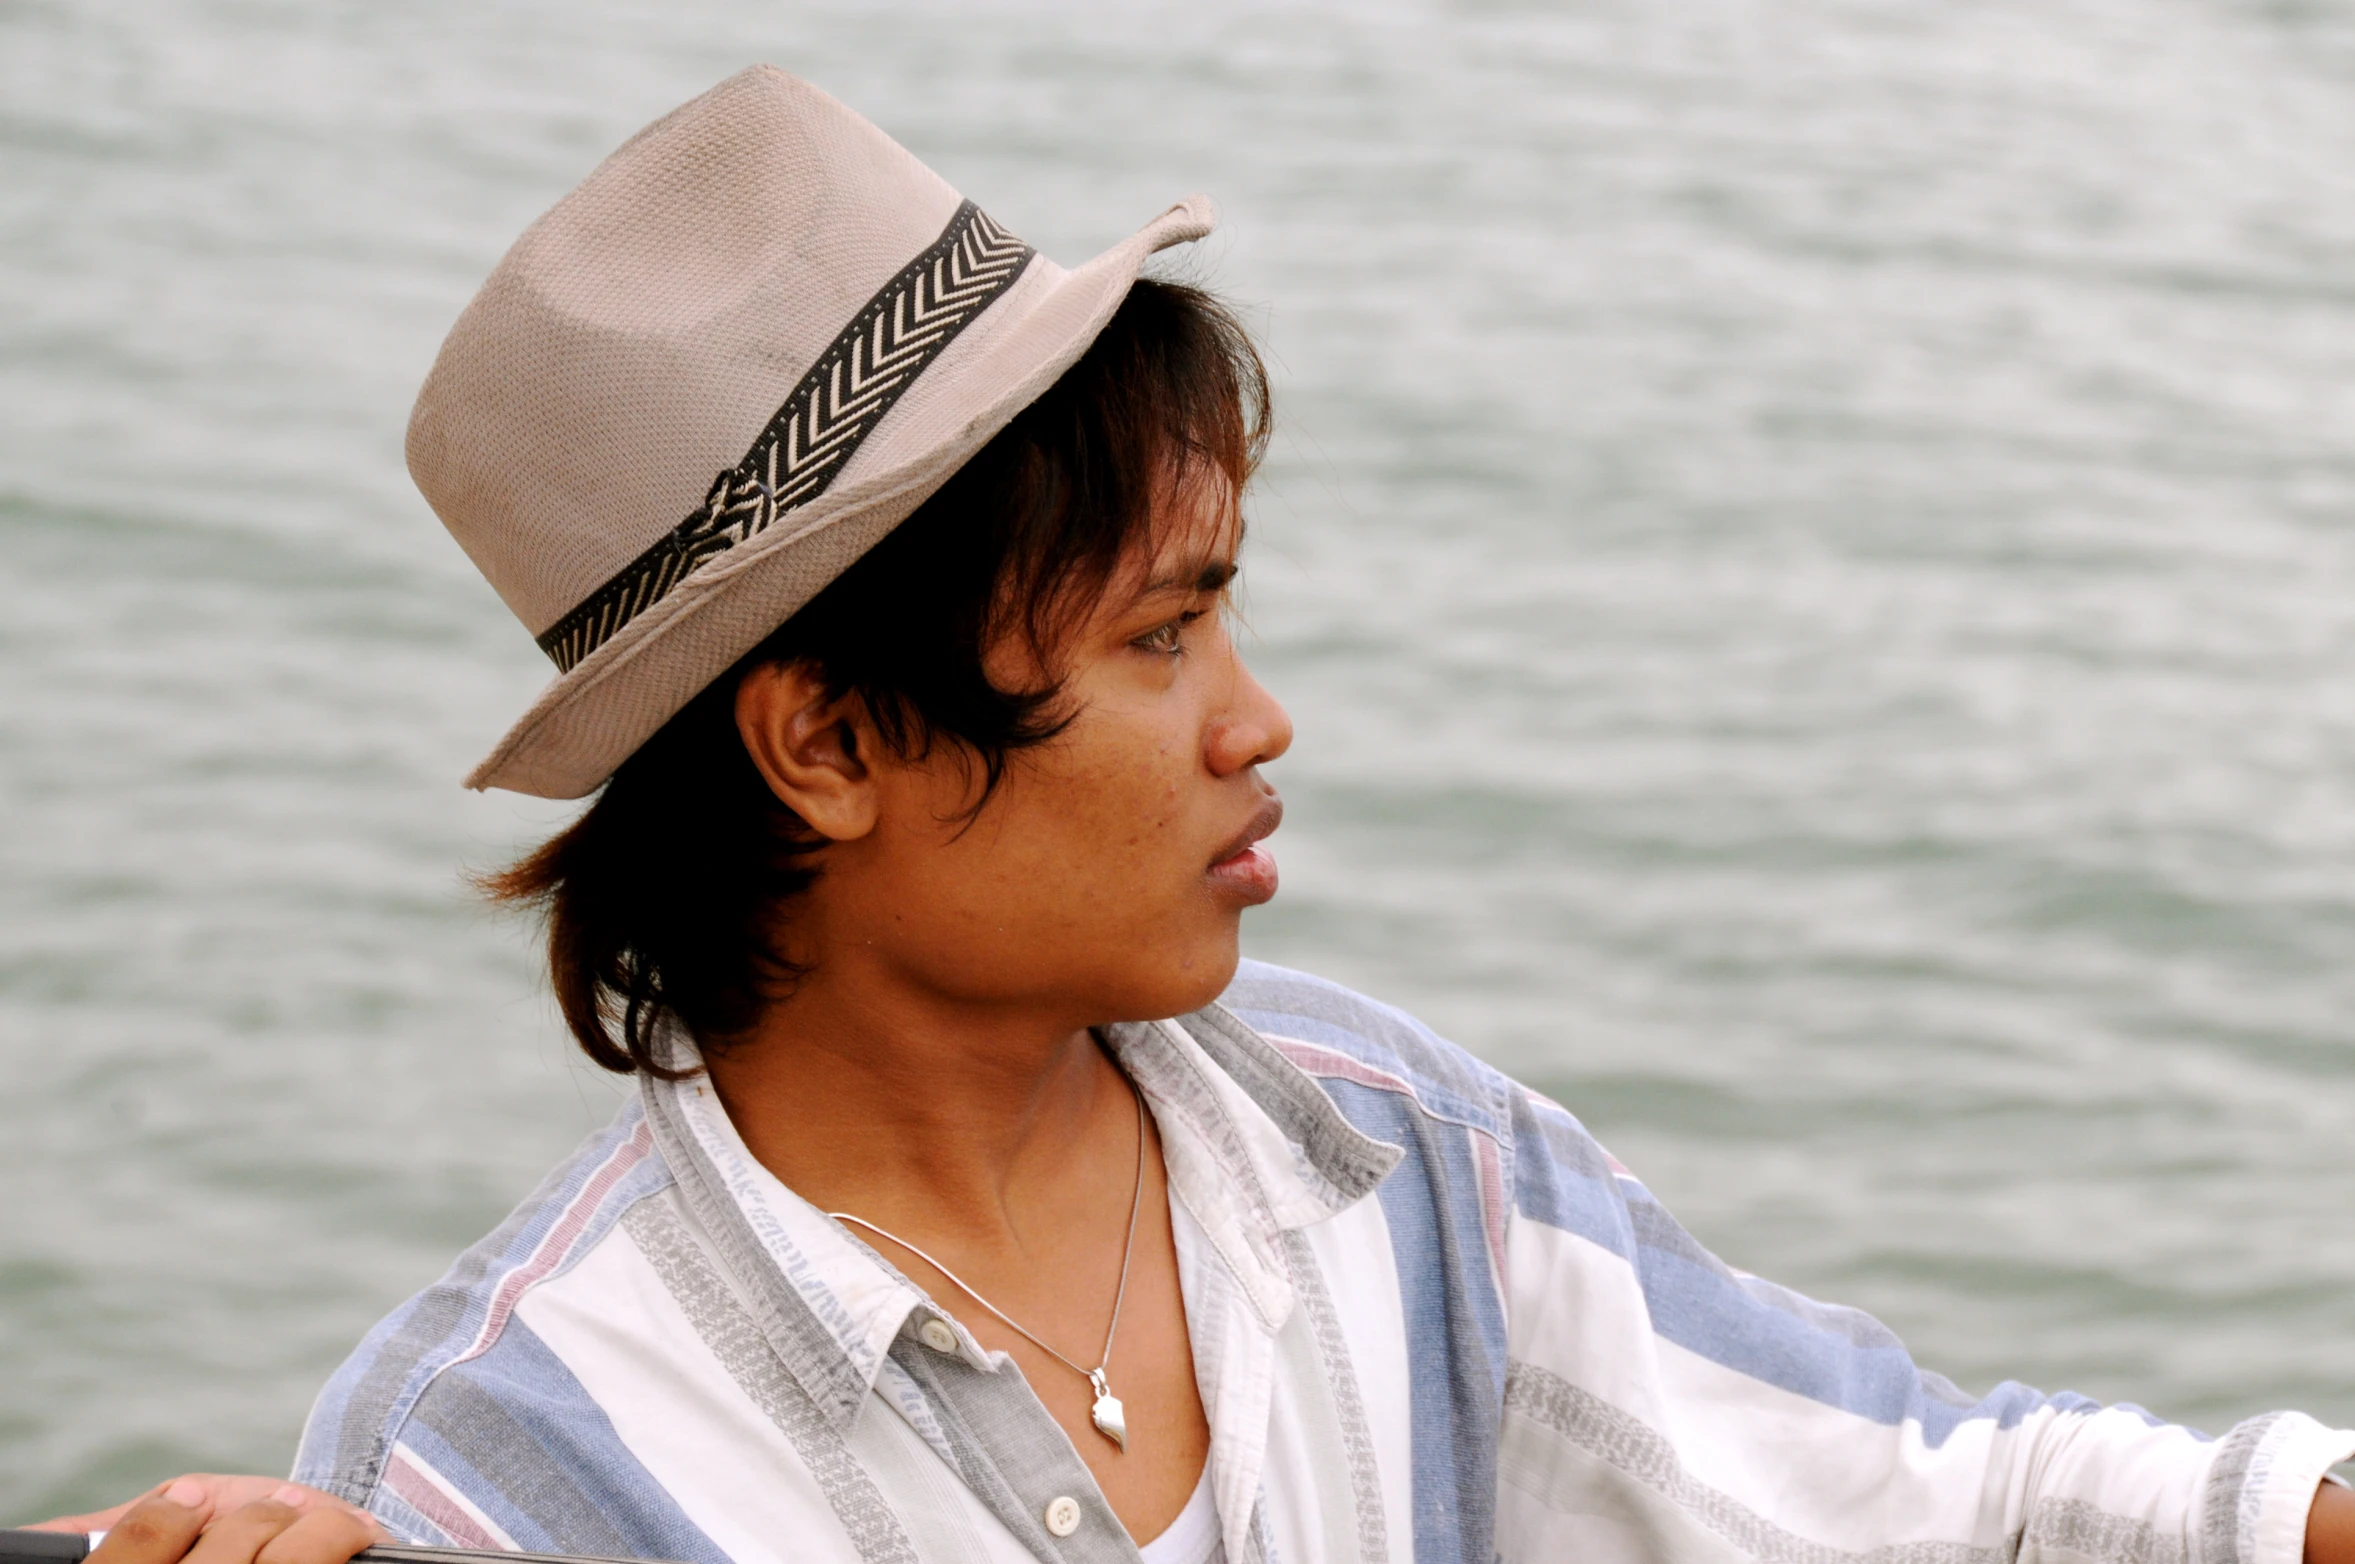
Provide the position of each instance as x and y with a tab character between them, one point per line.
812	751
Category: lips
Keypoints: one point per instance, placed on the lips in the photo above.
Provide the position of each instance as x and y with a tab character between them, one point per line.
1243	866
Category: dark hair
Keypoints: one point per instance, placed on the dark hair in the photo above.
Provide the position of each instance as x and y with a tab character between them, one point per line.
646	923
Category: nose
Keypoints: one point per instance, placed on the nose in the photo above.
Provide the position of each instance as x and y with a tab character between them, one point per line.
1253	730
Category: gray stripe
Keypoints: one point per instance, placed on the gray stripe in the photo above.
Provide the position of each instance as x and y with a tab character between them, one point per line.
1009	1450
1261	1538
2228	1482
363	1440
808	1349
1167	1073
750	1360
364	1435
1013	1455
2074	1526
508	1457
1357	1439
1347	1158
1644	1456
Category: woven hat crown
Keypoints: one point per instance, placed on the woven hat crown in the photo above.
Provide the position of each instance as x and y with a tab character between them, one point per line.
636	338
739	353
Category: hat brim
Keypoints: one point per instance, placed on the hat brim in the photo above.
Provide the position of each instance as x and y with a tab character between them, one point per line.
593	717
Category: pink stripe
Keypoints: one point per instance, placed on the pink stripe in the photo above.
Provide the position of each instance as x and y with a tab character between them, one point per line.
1492	1203
1485	1157
1327	1061
427	1499
556	1247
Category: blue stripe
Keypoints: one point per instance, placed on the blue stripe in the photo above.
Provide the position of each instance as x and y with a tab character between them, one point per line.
525	1442
352	1426
1445	1080
1833	1356
1455	1328
1562	1178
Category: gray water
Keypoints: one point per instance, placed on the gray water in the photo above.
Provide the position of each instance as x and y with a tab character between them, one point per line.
1809	550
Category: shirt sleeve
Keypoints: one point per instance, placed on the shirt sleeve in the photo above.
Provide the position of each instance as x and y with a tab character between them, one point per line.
1659	1405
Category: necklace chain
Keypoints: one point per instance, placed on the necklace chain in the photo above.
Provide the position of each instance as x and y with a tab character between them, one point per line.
1108	1416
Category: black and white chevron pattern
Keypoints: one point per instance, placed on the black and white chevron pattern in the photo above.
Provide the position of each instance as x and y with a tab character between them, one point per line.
836	406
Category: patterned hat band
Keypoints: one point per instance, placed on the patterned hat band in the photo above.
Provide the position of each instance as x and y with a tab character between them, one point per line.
637	339
813	436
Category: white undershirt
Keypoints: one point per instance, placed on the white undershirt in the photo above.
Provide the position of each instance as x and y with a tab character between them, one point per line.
1193	1537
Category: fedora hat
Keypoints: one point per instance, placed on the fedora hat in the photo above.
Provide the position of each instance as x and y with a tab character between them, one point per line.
709	379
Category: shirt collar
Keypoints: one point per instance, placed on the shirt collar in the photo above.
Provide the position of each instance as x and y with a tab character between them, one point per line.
1253	1145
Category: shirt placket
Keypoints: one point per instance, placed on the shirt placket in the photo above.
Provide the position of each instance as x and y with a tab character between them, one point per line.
1014	1456
1010	1452
988	1422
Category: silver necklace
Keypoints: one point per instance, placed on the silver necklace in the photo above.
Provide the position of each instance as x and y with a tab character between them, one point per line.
1106	1413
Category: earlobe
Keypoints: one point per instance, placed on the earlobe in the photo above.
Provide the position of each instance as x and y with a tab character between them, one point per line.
809	748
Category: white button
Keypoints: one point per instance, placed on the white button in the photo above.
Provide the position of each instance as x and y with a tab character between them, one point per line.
935	1333
1063	1515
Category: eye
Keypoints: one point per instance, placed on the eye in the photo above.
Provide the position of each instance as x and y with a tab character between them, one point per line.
1167	640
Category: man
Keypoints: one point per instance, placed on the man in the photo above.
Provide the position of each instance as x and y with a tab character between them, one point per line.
928	792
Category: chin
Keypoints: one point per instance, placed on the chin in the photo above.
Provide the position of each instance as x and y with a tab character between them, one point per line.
1184	981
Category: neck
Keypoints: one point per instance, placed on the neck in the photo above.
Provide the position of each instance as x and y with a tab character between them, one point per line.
906	1107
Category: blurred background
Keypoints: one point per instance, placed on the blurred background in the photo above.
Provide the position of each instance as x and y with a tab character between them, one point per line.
1809	549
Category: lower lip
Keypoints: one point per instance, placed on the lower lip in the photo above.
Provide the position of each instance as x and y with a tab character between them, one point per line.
1251	873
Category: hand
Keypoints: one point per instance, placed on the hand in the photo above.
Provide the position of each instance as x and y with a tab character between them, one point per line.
205	1519
2330	1526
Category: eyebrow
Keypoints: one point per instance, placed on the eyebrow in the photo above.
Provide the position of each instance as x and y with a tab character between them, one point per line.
1211	576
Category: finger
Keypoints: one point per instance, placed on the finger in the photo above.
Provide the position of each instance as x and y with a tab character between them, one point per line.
158	1528
233	1493
106	1519
218	1496
96	1520
213	1493
237	1537
313	1498
326	1534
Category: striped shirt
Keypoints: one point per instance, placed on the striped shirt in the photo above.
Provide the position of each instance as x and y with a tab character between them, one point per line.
1432	1321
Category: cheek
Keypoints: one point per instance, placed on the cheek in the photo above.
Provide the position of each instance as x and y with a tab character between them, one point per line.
1086	875
1154	795
1120	810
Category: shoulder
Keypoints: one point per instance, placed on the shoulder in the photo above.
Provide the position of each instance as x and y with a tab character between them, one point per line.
464	1327
1337	1035
1352	1044
1394	1077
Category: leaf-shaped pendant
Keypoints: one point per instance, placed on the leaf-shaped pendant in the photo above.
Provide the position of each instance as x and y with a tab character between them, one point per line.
1107	1413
